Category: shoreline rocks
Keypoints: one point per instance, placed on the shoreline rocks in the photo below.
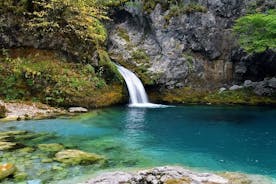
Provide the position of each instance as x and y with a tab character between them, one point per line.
175	175
28	110
171	175
266	87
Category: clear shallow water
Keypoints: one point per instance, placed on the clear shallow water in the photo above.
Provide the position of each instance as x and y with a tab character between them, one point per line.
239	139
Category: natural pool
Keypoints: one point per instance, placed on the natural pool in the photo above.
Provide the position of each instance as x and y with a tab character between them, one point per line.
213	138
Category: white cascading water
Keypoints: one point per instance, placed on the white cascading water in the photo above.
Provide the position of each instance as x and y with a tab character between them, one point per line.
137	92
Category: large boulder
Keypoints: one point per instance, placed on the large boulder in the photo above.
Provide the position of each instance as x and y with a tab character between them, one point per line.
6	170
74	157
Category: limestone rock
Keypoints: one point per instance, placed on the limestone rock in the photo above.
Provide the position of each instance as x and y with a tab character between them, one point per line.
6	170
77	110
54	147
235	87
272	83
167	174
74	157
221	90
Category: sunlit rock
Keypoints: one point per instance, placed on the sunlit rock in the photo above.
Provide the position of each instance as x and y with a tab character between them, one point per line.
74	157
6	170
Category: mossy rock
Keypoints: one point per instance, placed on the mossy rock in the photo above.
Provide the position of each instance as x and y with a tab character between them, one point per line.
5	138
6	146
54	147
75	157
26	150
3	111
20	176
6	170
27	136
13	133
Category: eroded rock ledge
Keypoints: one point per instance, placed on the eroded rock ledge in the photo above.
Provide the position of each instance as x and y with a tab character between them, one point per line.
174	175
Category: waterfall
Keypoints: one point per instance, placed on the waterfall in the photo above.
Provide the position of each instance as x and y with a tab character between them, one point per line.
136	90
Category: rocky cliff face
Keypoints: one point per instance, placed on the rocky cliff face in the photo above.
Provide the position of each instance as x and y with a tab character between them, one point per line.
195	48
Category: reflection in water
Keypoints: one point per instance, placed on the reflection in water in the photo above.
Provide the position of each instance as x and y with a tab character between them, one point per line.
135	124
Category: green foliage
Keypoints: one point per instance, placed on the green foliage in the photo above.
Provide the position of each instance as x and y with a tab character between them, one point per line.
108	70
177	10
140	56
257	32
42	76
81	17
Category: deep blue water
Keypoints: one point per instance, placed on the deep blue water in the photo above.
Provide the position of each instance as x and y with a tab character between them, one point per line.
215	138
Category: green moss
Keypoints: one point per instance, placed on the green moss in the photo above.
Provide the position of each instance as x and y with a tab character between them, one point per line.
177	10
141	69
189	95
108	68
140	56
123	34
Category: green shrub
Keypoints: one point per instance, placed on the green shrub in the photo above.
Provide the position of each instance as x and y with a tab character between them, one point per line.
177	10
257	32
140	56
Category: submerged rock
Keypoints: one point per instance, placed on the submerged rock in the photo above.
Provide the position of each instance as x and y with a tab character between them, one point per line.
20	176
5	146
54	147
74	157
77	110
6	170
13	133
236	178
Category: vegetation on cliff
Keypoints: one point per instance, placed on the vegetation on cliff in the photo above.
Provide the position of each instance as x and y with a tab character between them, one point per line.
31	74
70	66
257	31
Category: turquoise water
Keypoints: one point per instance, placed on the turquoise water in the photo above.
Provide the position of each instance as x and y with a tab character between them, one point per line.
241	139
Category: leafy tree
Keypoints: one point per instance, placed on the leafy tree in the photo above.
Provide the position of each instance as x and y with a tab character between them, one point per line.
257	32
